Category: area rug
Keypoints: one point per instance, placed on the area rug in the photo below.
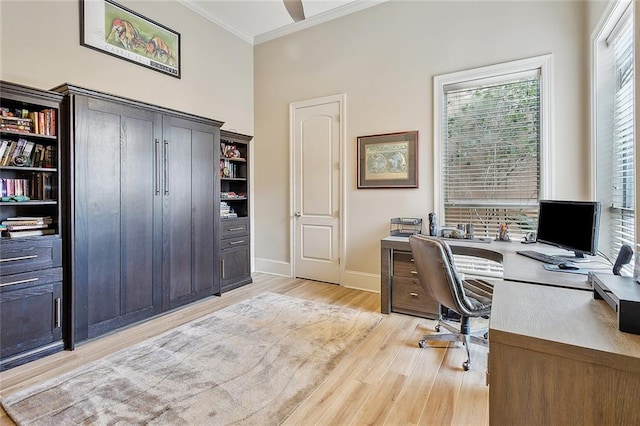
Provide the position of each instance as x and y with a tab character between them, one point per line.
249	363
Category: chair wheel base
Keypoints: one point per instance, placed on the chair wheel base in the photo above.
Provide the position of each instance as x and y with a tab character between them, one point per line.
437	327
466	365
422	344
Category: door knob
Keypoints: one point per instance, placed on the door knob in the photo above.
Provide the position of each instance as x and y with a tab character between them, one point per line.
297	214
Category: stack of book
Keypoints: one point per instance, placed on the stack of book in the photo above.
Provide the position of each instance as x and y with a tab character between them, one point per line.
26	153
22	120
226	212
27	226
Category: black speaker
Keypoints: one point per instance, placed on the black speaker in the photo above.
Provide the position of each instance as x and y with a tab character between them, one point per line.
624	256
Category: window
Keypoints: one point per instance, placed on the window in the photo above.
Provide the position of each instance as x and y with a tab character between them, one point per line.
614	128
490	137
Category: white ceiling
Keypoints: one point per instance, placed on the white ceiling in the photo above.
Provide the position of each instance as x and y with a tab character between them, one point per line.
257	21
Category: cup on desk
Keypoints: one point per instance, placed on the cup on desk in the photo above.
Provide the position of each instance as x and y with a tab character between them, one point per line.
469	231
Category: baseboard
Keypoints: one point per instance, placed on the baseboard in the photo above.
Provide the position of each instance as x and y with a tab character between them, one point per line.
350	279
361	281
273	267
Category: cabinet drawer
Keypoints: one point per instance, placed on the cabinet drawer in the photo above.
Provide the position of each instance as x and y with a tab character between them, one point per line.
234	242
403	265
25	279
234	227
407	294
29	255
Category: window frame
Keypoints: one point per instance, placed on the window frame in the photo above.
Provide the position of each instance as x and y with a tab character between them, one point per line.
542	63
601	121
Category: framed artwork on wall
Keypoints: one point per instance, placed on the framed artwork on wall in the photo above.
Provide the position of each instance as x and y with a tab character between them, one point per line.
116	30
388	161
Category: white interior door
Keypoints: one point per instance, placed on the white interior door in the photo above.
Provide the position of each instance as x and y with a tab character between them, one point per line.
316	140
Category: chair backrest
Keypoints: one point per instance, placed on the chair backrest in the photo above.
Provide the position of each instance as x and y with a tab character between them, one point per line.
437	272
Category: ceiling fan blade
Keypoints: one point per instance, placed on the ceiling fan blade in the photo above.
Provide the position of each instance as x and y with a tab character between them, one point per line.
295	9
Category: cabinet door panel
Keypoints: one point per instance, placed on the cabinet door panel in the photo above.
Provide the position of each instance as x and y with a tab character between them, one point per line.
114	213
203	207
30	317
177	213
189	212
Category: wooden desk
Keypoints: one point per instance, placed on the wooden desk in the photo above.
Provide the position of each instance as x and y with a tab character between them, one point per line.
516	268
557	357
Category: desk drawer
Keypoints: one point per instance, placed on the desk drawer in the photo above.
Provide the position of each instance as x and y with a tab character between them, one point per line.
234	242
403	265
29	255
27	279
234	227
408	296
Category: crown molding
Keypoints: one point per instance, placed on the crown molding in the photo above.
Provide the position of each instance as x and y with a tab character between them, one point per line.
312	21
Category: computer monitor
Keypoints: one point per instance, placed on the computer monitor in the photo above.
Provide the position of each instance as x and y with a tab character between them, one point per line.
571	225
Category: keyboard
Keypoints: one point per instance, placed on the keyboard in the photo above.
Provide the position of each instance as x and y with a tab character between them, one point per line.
541	257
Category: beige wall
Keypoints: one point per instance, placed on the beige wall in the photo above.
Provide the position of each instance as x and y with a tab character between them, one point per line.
41	48
384	60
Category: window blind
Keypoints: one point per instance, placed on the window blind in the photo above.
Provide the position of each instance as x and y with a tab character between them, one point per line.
491	154
622	226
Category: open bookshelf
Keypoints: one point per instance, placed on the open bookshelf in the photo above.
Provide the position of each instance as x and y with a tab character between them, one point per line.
31	277
235	268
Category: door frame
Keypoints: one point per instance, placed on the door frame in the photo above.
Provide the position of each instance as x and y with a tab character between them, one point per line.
293	106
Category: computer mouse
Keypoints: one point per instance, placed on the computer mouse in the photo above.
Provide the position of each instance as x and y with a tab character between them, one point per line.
568	265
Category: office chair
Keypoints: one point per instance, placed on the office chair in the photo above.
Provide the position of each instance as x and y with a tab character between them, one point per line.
467	297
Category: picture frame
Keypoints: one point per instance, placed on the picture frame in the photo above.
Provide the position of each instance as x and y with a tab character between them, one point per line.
388	160
111	28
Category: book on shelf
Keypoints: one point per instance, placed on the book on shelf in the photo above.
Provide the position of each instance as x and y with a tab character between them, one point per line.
42	122
29	233
37	219
8	153
25	227
3	146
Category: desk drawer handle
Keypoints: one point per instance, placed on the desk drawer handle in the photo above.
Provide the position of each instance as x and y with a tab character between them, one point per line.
414	295
29	280
58	312
11	259
414	272
236	229
233	243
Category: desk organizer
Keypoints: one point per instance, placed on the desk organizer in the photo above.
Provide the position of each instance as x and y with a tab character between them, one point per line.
623	295
405	226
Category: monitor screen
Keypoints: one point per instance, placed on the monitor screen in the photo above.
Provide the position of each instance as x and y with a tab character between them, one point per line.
571	225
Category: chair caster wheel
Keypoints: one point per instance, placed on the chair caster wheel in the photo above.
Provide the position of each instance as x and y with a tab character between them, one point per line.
466	365
438	327
422	343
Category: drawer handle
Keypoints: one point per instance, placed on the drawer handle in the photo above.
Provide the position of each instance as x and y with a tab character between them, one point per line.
414	272
11	259
222	268
233	243
57	320
29	280
412	259
240	228
414	295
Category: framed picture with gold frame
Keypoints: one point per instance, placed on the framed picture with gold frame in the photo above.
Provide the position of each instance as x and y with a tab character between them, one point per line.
388	160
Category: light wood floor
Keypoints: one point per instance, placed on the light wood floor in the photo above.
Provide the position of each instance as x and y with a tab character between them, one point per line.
387	380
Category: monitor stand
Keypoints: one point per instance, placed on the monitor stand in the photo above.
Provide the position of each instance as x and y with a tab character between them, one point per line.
577	257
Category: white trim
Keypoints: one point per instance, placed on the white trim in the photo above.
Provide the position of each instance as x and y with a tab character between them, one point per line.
362	281
273	267
293	106
338	12
545	64
606	24
321	18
